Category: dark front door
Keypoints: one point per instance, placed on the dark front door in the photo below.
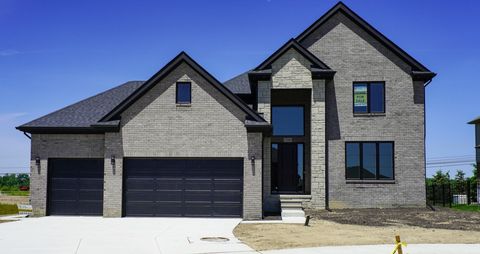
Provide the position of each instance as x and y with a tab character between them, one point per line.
287	168
75	186
183	187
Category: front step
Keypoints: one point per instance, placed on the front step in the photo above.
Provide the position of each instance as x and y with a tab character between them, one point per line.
292	209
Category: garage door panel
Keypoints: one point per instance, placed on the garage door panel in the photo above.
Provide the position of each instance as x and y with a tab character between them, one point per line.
198	210
63	183
198	184
169	183
140	183
198	196
89	207
141	195
230	184
140	208
168	196
183	187
227	210
168	209
75	186
96	184
227	196
90	195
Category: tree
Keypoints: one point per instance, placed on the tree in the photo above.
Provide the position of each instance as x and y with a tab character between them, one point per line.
441	178
460	182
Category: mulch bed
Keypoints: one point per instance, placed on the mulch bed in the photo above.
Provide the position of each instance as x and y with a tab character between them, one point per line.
441	218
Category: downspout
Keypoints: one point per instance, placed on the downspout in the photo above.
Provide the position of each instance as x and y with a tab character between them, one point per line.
26	135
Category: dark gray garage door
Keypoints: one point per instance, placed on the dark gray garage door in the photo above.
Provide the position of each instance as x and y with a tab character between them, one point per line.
75	186
183	187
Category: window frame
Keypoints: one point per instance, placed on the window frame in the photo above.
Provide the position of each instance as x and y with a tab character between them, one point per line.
377	159
177	91
289	106
368	83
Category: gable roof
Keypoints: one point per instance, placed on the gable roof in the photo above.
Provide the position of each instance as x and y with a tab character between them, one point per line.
170	66
81	115
341	7
292	43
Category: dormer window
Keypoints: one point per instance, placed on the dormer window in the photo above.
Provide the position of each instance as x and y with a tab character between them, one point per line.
184	93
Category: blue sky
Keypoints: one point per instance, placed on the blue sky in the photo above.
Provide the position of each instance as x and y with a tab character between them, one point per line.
54	53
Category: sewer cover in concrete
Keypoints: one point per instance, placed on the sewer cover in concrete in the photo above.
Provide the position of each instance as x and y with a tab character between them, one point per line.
215	239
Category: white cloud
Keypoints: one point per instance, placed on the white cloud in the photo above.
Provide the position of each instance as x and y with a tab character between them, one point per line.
8	117
9	52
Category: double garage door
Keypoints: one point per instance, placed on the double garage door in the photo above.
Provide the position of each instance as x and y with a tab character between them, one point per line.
152	187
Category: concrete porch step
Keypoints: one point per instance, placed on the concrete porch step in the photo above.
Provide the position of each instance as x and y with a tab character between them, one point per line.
292	213
291	205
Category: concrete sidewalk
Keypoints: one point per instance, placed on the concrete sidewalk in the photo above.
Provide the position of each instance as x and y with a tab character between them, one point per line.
386	249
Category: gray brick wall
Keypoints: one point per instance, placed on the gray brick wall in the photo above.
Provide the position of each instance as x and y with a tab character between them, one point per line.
212	126
291	70
47	146
346	49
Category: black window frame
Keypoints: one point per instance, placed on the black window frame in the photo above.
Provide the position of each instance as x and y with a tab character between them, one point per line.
287	106
368	83
377	171
176	93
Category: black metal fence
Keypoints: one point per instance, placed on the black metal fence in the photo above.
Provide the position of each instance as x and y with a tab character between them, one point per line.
453	193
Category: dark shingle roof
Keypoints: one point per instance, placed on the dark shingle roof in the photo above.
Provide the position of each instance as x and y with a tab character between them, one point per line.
86	112
239	84
475	121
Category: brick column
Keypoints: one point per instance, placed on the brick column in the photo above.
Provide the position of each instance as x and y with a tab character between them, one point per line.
252	178
113	176
318	144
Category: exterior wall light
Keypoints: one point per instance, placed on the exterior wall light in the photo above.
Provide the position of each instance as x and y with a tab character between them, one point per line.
37	161
252	158
112	160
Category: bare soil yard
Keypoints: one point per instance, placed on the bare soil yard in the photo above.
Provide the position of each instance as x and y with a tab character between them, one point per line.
365	226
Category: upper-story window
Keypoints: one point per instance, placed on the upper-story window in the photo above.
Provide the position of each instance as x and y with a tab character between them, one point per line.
288	120
184	93
369	97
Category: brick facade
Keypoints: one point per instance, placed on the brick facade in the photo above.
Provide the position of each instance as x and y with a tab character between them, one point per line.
350	53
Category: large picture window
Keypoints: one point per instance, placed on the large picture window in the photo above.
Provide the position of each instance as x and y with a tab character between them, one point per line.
288	120
369	160
369	97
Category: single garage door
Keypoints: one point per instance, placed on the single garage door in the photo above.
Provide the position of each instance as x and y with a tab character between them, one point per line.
75	186
183	187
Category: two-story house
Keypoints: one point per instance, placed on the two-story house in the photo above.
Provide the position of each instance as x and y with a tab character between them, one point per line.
335	118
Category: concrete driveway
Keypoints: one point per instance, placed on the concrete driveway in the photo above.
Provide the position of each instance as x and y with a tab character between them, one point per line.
62	235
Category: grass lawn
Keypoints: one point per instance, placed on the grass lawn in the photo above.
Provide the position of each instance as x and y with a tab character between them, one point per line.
468	208
7	209
16	193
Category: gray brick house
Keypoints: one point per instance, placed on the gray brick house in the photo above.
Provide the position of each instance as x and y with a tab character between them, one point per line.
332	119
476	123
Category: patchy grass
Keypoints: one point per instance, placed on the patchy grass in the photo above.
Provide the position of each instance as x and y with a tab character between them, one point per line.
16	193
467	208
7	209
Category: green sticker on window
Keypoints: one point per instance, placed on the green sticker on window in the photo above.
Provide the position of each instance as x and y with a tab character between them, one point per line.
360	96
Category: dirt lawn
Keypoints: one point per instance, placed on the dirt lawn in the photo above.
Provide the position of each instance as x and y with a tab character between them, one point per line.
365	226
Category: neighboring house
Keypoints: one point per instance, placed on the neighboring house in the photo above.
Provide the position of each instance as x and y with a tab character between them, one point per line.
333	119
476	122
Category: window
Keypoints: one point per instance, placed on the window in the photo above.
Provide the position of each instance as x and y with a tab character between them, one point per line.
369	97
288	120
369	160
184	93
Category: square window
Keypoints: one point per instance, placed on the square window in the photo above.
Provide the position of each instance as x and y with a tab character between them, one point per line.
369	97
184	93
288	120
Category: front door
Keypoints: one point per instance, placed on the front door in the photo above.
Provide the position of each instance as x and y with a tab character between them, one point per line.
287	168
